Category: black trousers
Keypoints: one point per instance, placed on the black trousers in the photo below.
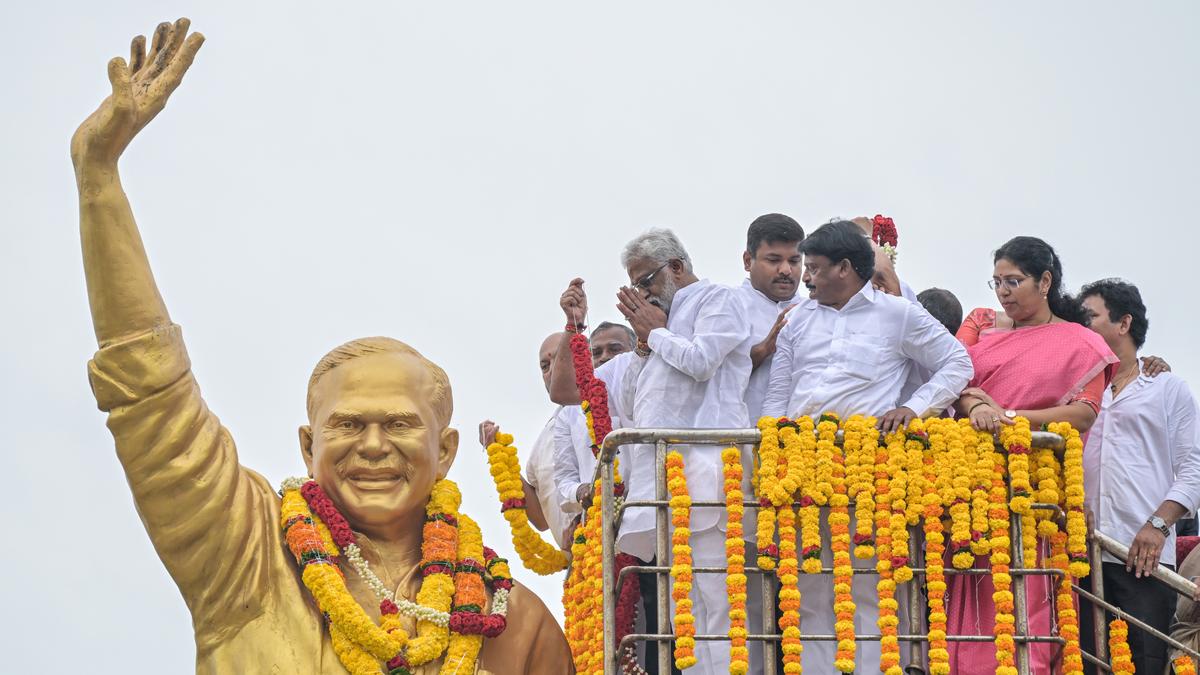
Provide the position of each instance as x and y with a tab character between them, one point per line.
1144	598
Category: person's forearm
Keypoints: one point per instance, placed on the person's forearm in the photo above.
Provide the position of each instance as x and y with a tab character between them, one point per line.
1170	511
533	507
759	353
121	291
1079	415
563	389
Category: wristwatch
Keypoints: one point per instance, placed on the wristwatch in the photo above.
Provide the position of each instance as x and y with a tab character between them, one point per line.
1010	414
1160	525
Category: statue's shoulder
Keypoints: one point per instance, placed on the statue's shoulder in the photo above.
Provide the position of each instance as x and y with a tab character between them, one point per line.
532	637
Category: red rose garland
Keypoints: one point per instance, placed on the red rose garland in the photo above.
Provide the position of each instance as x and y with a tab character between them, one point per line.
883	231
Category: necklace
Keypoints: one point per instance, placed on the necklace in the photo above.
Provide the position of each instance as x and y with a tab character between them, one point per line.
1122	379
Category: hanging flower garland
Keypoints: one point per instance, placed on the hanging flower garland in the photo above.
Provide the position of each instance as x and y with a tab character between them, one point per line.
897	466
681	563
1072	471
788	573
735	561
1064	603
1183	665
536	553
839	528
984	447
938	464
768	458
860	444
1005	624
1046	472
1017	438
817	468
1118	647
889	620
883	232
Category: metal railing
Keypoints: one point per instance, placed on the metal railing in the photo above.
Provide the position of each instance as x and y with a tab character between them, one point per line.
662	635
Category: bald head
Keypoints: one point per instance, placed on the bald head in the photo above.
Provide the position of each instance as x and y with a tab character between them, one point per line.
546	356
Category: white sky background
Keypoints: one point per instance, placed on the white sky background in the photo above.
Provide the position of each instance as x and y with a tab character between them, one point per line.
438	173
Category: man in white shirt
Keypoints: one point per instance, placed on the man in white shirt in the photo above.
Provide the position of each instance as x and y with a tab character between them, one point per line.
1141	468
541	497
691	369
574	463
849	349
772	260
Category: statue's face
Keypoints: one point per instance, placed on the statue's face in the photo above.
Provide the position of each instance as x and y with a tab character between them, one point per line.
375	445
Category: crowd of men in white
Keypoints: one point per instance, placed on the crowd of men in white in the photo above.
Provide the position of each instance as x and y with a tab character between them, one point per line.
697	355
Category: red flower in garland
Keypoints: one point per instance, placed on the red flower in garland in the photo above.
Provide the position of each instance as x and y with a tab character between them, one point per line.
883	231
323	507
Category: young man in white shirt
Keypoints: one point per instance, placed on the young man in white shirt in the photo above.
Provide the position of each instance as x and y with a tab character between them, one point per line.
849	349
1141	469
772	261
690	371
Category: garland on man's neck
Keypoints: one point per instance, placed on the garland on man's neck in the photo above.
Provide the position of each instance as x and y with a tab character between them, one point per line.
448	610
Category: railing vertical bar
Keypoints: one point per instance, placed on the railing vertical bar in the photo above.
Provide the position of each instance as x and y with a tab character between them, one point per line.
1099	618
608	544
663	553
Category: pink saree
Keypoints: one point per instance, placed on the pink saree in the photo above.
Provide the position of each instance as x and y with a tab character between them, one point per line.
1031	369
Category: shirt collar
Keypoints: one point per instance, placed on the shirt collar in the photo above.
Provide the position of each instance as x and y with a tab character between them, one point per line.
682	295
867	293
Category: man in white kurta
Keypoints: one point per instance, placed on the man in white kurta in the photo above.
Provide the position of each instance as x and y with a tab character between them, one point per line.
691	371
849	349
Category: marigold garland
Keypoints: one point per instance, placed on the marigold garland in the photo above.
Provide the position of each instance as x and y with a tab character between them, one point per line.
1017	438
1072	471
1064	602
1118	647
860	444
889	620
1183	665
789	592
681	562
1005	624
768	458
536	553
984	447
839	528
735	559
317	534
938	465
897	465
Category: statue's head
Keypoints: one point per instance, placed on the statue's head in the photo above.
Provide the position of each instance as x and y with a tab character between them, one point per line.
378	436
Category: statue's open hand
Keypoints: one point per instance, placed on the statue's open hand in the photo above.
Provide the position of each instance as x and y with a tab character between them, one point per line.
140	90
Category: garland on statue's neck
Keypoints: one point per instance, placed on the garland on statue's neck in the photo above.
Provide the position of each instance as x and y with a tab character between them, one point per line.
455	568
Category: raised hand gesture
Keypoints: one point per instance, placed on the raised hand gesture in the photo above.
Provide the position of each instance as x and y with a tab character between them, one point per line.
140	90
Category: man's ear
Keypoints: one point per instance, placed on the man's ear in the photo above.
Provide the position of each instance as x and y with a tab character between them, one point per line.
306	449
746	260
1126	324
447	450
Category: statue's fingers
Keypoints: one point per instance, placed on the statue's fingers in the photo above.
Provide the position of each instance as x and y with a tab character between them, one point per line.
160	38
122	89
173	75
137	54
167	49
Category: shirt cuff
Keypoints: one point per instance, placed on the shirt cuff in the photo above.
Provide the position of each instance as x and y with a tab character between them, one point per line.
657	337
568	503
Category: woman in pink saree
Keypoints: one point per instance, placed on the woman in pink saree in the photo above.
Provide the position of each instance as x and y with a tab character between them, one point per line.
1047	367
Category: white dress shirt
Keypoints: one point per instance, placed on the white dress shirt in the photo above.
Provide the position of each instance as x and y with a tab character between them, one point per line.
574	463
1143	449
856	360
761	313
695	378
539	473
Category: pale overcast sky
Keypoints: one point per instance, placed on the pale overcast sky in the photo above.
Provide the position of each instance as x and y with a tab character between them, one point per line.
438	172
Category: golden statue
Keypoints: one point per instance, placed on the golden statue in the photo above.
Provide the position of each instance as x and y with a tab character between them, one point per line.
377	442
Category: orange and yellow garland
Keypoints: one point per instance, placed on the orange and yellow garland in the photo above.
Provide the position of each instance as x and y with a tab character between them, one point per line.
1118	647
681	562
735	559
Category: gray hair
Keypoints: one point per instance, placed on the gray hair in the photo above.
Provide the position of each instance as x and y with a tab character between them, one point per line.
658	244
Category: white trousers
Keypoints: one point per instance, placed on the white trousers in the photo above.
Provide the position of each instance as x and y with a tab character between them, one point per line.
817	616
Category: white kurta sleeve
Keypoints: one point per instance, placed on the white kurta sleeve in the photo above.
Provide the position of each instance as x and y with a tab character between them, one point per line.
721	326
927	342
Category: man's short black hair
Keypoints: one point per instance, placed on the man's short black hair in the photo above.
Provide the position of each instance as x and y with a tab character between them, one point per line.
944	307
605	325
842	240
1121	298
772	228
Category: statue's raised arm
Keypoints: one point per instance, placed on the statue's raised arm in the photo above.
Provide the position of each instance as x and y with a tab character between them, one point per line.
121	289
